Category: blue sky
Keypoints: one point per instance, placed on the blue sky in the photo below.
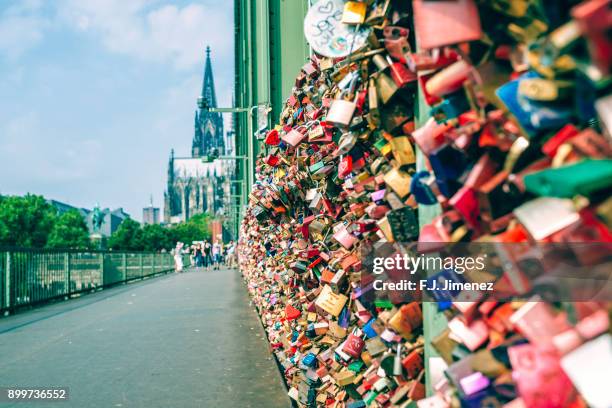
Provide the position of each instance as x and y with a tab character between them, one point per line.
95	93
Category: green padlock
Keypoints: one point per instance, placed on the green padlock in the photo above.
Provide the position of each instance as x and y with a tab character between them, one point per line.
583	178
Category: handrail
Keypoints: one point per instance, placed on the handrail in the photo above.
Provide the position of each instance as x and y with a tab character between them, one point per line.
71	250
30	276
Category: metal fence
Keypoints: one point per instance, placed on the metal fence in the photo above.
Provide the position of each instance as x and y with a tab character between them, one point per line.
31	276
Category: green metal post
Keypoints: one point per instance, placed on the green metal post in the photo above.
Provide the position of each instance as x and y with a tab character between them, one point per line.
124	264
141	266
7	282
102	270
68	277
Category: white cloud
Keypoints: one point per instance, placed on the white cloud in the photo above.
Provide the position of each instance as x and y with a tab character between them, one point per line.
157	33
21	28
142	29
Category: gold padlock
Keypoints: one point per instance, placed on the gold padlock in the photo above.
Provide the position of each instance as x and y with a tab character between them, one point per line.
399	181
540	89
378	14
374	113
354	12
385	86
402	150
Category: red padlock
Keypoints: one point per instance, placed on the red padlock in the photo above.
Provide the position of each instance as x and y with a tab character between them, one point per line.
396	42
400	73
353	345
272	138
272	160
345	167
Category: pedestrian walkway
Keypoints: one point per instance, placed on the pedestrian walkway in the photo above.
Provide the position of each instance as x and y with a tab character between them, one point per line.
184	340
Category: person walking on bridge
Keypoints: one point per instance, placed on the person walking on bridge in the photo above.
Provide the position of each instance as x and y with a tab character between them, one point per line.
199	256
207	248
178	257
216	254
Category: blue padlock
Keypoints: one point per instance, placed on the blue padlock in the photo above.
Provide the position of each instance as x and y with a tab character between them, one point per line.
309	360
448	162
344	318
369	330
422	192
508	94
453	105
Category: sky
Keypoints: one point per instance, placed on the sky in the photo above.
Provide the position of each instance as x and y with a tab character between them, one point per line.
95	93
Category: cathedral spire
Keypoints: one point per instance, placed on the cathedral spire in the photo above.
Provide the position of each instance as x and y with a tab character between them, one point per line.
208	133
208	85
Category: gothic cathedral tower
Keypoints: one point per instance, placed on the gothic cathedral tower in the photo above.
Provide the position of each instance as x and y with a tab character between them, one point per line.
196	187
208	126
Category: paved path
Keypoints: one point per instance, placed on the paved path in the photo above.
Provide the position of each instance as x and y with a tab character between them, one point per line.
183	340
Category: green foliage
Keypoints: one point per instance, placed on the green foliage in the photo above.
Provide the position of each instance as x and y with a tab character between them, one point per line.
69	231
187	232
26	221
197	228
156	238
127	237
130	236
30	221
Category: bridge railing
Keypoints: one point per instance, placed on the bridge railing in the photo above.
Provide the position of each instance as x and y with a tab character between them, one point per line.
32	276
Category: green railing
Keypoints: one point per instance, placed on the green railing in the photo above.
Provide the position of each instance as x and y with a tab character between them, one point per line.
33	276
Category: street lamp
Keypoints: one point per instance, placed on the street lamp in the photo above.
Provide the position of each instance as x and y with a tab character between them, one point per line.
250	156
203	105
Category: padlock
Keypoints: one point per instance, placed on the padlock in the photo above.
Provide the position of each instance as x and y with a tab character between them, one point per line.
272	138
545	90
595	21
345	167
449	79
295	136
378	13
354	345
402	150
399	181
451	107
400	73
421	188
341	112
385	86
448	162
396	42
404	224
373	114
354	12
441	23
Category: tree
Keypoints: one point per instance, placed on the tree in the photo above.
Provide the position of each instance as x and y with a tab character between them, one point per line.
69	231
197	228
127	237
26	221
202	223
156	238
130	236
187	233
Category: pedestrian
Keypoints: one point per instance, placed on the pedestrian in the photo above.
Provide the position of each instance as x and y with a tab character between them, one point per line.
192	255
178	257
199	256
216	254
207	255
231	255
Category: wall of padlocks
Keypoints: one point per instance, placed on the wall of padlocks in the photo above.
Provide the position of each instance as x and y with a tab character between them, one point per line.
436	122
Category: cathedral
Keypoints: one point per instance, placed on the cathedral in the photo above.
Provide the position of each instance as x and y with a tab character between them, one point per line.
194	186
